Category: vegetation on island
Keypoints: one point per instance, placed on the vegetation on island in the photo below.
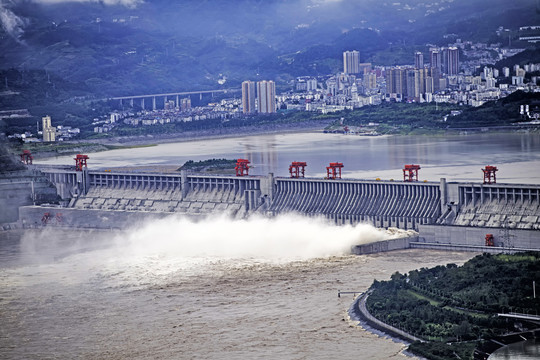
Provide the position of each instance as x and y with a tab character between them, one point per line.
455	308
210	166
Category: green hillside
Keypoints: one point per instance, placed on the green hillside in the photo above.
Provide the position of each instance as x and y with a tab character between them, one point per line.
451	304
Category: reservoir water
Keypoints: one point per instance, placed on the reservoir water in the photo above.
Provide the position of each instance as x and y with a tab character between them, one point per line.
457	157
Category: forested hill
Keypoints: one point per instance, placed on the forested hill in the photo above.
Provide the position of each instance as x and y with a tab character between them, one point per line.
505	111
460	303
158	46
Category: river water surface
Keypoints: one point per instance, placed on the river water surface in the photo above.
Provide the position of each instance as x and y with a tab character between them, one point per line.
225	289
457	157
66	295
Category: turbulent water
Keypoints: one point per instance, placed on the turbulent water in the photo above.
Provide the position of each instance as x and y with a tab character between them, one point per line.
174	289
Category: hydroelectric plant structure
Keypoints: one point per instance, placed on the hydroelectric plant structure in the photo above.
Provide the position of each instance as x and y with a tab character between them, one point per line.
451	215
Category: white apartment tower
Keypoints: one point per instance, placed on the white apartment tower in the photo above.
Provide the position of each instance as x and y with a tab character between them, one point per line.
351	62
452	61
418	60
49	131
248	97
266	95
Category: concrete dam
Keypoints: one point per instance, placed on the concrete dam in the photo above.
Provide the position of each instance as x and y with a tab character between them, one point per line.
442	212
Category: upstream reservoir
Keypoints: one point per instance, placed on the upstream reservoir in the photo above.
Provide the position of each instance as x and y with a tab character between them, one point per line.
455	157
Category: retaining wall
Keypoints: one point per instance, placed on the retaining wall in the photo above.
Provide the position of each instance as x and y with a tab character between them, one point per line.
475	236
382	246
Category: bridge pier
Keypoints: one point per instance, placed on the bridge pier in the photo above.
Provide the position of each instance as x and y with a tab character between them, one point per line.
142	103
154	103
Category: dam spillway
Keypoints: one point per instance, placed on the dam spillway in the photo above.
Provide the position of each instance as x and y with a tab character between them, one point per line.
465	212
382	203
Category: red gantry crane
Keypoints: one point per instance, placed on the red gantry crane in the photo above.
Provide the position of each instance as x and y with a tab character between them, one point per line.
242	167
410	173
490	240
333	171
26	157
80	162
489	174
297	169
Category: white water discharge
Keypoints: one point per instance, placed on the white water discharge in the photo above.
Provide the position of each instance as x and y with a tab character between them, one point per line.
179	247
210	289
283	238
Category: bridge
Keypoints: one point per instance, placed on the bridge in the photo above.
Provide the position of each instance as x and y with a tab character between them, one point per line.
534	318
175	95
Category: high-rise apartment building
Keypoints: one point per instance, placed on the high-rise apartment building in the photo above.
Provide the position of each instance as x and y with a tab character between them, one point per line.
49	131
266	96
351	62
185	104
435	59
411	84
248	97
396	82
452	61
370	81
418	60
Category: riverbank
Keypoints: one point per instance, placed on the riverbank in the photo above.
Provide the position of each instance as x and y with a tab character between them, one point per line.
106	142
359	312
42	151
217	133
447	313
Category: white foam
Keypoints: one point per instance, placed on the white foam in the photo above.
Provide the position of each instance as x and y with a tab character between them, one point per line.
285	237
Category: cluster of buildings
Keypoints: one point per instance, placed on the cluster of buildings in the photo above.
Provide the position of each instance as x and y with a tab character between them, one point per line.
48	133
438	76
420	82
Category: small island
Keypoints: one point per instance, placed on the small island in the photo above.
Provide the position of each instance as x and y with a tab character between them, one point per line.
460	312
210	166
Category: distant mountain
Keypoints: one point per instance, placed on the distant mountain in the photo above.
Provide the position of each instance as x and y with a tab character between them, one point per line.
160	45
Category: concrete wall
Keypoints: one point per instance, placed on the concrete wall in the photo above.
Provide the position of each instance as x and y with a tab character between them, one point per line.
467	235
381	246
31	217
22	188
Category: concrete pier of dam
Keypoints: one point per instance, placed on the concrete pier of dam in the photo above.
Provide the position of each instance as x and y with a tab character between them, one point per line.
441	212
